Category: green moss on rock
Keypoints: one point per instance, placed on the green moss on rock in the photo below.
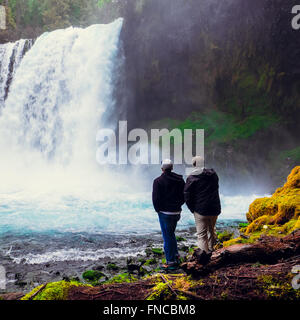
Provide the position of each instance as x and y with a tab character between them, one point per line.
112	266
92	276
157	251
278	288
181	282
243	225
54	290
278	215
180	239
225	235
160	292
150	262
282	208
242	239
122	278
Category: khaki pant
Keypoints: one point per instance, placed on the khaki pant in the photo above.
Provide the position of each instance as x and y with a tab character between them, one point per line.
206	233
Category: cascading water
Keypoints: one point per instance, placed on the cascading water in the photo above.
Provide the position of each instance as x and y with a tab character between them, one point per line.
60	91
11	55
52	100
48	129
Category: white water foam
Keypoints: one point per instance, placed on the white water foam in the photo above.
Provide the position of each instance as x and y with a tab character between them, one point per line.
78	255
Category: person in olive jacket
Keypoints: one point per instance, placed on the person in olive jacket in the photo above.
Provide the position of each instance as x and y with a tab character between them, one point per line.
201	194
167	198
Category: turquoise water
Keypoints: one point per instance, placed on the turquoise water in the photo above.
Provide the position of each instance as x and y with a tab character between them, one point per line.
124	213
89	223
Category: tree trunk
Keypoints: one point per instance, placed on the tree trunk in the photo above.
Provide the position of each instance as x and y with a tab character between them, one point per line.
267	250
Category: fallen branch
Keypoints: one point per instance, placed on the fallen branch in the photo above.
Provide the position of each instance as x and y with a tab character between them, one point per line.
38	291
167	282
190	294
271	251
104	292
239	276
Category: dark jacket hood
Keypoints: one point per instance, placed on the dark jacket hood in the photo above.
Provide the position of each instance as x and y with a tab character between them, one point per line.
205	172
172	176
208	172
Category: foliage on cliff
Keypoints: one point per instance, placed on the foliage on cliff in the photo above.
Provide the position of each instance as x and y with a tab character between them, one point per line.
47	15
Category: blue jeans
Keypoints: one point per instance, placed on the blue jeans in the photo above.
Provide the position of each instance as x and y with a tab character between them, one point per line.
168	225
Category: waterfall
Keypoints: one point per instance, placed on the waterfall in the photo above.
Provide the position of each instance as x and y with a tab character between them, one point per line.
60	91
11	55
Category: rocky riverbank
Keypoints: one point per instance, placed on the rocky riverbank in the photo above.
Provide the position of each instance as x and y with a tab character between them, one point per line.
228	279
29	263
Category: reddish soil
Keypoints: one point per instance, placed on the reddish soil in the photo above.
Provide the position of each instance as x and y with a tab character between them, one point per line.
241	282
234	273
117	291
235	282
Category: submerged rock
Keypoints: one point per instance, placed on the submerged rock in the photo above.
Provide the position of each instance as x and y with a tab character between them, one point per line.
92	275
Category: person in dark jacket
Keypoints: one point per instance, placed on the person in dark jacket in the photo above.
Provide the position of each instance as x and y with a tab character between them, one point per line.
201	194
167	198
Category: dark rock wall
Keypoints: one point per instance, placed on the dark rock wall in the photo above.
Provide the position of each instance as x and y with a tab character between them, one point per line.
236	57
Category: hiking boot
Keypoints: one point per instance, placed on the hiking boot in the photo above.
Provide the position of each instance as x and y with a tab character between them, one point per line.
202	256
170	266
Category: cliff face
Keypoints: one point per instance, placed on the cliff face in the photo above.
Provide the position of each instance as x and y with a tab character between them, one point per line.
230	67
